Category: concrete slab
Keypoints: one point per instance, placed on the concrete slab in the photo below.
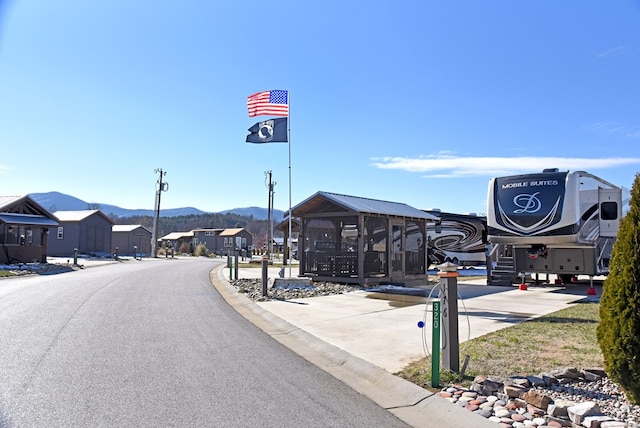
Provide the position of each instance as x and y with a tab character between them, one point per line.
386	332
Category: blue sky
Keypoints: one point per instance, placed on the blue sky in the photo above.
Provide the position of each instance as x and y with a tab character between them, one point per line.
419	102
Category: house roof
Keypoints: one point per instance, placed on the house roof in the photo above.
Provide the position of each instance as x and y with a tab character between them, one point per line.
7	201
231	232
27	219
24	210
77	216
284	225
176	235
128	228
358	205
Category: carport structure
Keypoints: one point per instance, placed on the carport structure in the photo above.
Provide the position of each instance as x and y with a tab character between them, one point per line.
362	241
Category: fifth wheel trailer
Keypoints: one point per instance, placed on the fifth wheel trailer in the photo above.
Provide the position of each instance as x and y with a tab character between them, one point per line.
562	223
457	238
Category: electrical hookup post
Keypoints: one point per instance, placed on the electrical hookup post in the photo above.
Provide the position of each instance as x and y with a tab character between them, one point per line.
445	319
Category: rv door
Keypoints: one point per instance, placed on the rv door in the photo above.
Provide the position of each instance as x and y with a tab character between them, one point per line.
610	205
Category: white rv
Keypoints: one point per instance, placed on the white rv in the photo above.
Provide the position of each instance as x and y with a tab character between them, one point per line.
563	223
457	238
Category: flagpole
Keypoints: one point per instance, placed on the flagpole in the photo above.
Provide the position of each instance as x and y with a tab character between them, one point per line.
290	214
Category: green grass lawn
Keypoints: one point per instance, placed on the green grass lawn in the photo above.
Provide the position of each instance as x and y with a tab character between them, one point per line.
566	338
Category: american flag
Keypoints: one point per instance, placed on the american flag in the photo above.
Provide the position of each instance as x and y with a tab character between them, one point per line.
273	103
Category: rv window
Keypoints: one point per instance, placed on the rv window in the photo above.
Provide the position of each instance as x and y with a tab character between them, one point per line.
609	211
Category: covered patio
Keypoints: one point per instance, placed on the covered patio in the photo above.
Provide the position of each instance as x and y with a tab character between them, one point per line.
362	241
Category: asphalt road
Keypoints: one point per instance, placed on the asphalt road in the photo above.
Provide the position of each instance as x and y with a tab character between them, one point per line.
151	343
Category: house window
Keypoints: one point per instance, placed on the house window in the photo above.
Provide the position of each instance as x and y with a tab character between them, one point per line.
226	242
60	232
244	242
209	233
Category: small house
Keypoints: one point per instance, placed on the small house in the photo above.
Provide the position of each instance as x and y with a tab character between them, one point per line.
223	241
177	240
24	230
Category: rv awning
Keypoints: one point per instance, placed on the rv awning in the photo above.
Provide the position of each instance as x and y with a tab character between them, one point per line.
27	219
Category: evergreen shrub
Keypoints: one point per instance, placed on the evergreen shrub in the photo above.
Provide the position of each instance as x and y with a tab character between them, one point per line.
618	333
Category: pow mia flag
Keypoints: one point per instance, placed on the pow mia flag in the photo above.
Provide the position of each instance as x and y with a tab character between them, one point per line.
269	131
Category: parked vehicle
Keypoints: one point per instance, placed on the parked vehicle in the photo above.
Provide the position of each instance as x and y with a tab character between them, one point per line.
562	223
457	238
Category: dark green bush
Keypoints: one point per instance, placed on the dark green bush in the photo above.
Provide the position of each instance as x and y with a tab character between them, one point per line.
619	330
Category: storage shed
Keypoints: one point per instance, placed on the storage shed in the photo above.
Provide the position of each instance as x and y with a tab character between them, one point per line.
131	240
88	231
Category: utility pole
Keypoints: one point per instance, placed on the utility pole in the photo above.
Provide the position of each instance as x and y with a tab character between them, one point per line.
270	186
162	187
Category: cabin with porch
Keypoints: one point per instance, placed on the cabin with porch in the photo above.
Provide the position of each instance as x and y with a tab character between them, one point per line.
24	230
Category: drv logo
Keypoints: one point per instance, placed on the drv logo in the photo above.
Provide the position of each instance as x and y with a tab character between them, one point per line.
527	203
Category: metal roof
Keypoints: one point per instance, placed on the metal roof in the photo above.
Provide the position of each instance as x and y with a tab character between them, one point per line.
24	205
176	235
27	219
231	232
362	205
128	228
6	201
79	215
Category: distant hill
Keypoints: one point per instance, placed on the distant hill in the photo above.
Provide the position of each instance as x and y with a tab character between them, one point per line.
56	201
257	213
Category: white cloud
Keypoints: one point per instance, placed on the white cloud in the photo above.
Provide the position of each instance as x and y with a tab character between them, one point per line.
610	52
607	128
446	165
635	134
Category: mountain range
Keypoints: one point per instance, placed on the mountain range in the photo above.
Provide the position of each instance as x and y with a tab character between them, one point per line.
56	201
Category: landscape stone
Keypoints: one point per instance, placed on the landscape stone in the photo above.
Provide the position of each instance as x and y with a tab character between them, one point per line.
536	381
613	424
502	413
537	399
518	417
520	381
548	378
591	376
485	413
580	411
536	411
490	386
595	370
487	405
595	421
539	421
471	407
559	408
513	391
567	373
